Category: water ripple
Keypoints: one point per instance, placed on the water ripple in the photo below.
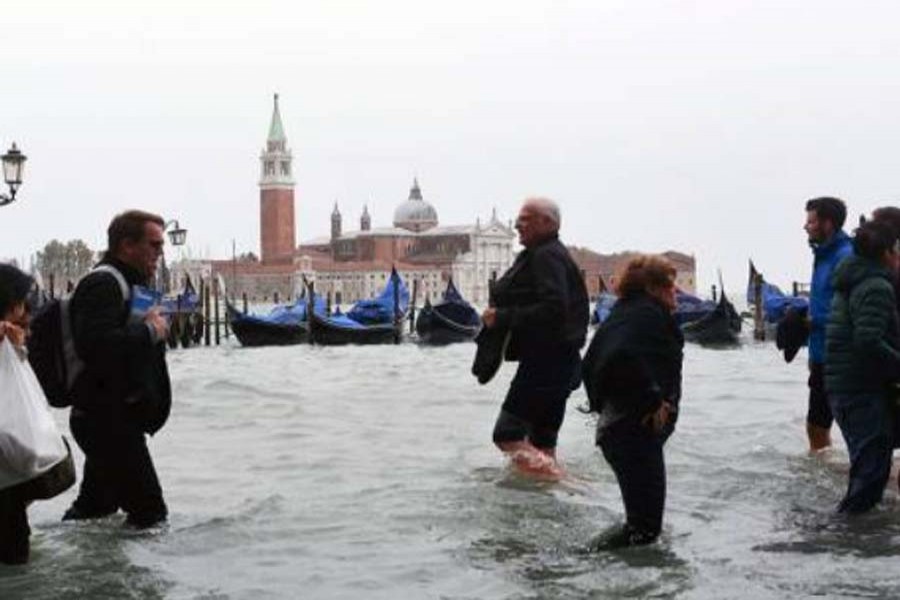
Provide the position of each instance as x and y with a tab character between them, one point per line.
369	472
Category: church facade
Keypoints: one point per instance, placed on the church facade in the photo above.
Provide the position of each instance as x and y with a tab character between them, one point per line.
350	265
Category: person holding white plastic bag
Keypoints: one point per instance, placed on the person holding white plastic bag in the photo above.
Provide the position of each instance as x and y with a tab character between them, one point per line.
14	530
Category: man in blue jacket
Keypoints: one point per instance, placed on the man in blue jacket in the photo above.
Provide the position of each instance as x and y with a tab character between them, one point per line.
824	222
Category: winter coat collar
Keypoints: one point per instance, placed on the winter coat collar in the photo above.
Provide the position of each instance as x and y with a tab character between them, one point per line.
825	248
855	269
131	275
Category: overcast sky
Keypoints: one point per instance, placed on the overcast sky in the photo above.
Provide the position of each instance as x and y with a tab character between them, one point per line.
699	126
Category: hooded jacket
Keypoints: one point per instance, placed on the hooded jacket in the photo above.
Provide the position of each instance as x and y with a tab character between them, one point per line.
827	257
863	333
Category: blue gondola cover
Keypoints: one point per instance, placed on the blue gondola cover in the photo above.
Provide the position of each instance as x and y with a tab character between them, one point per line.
380	310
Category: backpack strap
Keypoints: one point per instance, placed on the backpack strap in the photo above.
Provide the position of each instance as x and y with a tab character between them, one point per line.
120	279
72	363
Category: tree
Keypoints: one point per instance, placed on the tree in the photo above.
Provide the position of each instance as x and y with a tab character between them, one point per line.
63	263
79	259
50	260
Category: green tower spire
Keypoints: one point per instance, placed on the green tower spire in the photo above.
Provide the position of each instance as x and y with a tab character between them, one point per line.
276	129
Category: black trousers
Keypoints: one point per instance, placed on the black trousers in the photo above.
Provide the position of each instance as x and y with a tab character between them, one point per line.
819	411
14	530
118	471
535	404
635	454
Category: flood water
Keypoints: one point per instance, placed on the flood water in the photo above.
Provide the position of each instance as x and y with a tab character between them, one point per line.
368	473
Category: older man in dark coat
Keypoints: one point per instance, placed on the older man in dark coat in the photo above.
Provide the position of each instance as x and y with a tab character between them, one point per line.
542	301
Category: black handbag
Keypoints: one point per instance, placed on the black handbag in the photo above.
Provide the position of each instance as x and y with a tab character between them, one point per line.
52	482
491	347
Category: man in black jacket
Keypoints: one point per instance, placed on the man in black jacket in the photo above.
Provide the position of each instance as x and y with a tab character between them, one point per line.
123	392
542	301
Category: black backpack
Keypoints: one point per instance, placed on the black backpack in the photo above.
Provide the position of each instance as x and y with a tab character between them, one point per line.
51	345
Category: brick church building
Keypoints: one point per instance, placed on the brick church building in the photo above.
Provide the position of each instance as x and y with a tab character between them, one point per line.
354	264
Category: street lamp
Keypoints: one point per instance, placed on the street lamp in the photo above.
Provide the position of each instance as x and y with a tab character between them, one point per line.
13	165
177	235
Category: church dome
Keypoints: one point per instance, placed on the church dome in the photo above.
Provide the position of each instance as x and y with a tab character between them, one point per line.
415	214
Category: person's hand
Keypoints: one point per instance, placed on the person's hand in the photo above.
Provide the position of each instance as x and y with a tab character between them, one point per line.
489	317
658	418
15	333
155	319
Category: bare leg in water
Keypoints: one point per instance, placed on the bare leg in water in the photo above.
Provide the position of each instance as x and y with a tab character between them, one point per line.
530	460
819	437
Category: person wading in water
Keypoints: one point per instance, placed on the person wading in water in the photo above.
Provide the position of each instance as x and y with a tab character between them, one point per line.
542	301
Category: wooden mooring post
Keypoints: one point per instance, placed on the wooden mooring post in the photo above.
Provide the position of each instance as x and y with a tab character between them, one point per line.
759	325
310	307
398	325
216	309
412	309
206	313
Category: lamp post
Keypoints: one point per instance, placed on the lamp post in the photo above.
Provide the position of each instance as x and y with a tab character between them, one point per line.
13	165
177	236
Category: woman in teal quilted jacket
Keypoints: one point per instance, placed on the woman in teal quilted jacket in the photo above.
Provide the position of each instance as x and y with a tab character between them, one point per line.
862	360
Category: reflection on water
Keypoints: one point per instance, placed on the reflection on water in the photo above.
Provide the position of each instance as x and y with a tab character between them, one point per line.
369	473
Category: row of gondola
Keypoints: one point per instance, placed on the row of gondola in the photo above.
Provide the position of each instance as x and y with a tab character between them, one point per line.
716	322
380	320
705	322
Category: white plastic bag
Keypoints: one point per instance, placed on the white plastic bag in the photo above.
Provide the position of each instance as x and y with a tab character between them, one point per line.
30	442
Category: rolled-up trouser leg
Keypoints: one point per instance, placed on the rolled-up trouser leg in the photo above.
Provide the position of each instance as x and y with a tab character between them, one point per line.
535	405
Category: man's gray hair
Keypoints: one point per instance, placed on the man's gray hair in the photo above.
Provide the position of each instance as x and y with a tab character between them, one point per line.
546	207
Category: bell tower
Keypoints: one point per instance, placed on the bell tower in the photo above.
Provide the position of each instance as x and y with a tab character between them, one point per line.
335	222
276	196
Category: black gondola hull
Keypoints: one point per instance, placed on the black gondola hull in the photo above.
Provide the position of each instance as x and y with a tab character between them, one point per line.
253	333
433	328
324	333
721	327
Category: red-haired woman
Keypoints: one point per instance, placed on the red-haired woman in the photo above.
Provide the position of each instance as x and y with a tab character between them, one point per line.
632	374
